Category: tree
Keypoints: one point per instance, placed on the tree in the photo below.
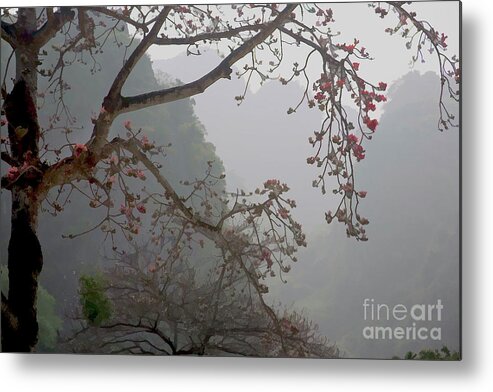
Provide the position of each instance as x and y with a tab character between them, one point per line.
173	306
255	231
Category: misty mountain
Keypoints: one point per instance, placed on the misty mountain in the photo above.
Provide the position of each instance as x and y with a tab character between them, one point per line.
411	174
412	177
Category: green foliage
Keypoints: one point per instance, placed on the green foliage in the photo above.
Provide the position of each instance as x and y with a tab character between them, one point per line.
444	354
48	321
96	306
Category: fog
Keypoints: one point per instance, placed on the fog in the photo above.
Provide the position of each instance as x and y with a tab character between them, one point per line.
411	174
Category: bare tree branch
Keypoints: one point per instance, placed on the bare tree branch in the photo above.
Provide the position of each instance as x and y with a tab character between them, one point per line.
54	22
117	15
6	157
212	36
223	70
140	50
8	34
113	99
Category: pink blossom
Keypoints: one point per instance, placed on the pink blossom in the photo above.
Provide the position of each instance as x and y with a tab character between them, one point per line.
140	174
125	210
284	213
13	173
348	187
442	40
266	255
358	152
382	86
146	144
128	125
356	66
271	183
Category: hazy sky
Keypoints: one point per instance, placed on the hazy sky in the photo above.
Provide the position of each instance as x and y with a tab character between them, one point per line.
279	142
357	20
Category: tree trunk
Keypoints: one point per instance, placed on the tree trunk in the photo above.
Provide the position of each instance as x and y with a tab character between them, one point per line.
25	259
19	322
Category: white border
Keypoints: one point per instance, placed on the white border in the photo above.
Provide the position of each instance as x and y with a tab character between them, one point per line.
474	373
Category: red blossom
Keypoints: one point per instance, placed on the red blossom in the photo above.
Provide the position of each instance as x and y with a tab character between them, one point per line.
358	152
79	149
326	86
370	106
141	208
382	86
13	173
352	138
320	96
348	48
372	124
356	66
